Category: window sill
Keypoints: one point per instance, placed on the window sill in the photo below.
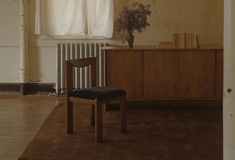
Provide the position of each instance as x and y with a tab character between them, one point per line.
71	37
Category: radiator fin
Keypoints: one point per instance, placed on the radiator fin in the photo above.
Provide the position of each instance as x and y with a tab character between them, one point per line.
81	79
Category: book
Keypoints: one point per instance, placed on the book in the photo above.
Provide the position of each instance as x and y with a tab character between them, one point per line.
178	39
185	40
166	44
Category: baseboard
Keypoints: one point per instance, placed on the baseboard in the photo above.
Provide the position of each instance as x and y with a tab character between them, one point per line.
27	88
172	104
9	87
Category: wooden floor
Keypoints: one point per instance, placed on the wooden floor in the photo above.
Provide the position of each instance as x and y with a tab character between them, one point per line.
20	119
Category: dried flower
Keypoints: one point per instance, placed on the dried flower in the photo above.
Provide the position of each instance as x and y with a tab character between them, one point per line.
133	18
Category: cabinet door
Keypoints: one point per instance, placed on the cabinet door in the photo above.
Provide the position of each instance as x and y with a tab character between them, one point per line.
124	70
198	74
219	61
161	74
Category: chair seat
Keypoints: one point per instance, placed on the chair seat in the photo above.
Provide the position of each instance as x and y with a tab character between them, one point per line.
99	93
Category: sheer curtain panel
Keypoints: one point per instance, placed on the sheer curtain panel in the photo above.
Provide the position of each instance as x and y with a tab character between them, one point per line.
74	17
100	18
59	17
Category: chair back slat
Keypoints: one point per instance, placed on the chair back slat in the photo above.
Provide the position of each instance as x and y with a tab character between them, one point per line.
91	63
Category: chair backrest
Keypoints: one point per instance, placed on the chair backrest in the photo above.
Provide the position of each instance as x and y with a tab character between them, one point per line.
80	63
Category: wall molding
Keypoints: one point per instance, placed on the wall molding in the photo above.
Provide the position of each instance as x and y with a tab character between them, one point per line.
27	88
8	0
9	46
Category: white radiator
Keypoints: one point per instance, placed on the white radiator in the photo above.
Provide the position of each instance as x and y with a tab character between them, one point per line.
66	51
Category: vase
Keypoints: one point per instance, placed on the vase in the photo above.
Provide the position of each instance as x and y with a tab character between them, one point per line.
130	39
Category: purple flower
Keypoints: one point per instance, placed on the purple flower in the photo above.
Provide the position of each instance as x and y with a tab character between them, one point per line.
133	18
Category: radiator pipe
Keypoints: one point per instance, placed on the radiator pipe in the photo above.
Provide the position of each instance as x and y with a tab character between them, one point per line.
23	45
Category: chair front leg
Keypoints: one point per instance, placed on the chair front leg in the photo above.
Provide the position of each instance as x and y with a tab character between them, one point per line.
69	117
92	115
98	122
123	114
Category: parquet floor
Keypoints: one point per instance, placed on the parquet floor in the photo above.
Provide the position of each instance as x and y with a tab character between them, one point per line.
20	119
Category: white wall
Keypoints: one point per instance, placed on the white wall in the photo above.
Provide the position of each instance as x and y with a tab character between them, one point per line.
204	17
200	16
9	41
42	64
9	64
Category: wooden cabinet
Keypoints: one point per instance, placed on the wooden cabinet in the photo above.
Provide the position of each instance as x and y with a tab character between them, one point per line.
150	73
198	74
160	74
124	70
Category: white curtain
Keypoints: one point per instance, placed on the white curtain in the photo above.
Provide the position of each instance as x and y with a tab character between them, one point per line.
59	17
100	17
74	17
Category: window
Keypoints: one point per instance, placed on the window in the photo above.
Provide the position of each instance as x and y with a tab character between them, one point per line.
93	18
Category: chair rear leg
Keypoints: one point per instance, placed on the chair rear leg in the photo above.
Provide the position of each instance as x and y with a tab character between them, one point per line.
69	117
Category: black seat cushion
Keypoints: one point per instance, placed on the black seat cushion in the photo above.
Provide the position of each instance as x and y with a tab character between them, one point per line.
99	93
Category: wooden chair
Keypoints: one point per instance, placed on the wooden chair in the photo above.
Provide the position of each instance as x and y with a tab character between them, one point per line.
94	96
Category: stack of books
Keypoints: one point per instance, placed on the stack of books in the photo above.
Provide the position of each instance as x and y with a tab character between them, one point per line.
185	40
